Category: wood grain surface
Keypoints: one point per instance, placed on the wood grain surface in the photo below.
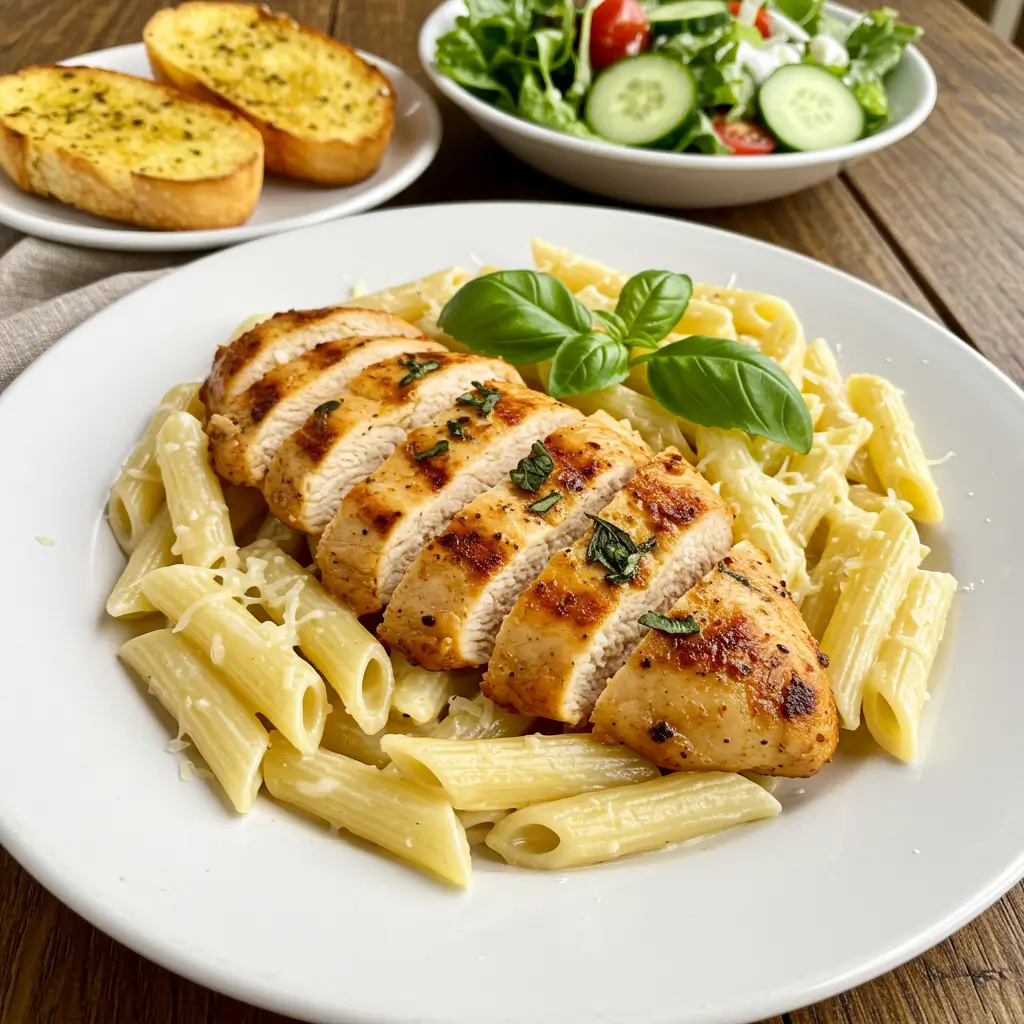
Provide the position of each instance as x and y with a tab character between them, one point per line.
937	221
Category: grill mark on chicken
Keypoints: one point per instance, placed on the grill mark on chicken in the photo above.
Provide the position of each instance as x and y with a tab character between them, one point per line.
582	610
483	555
315	437
436	468
668	507
265	395
797	699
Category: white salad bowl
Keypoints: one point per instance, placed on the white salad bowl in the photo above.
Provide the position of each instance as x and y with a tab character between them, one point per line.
680	180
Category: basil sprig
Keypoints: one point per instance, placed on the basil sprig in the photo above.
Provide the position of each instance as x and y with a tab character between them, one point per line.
527	317
533	470
547	503
429	453
417	370
687	625
613	548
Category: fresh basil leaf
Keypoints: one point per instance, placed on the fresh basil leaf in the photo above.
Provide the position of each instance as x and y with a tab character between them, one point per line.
417	370
685	626
456	430
613	548
587	362
652	302
434	449
545	504
325	410
520	315
721	383
481	397
533	470
612	323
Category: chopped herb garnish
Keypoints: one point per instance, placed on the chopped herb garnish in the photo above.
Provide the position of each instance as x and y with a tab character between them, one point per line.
534	469
434	449
663	624
417	370
613	548
325	410
482	398
547	503
735	575
456	430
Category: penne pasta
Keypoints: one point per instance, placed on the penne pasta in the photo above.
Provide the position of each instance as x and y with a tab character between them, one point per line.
868	500
477	775
774	457
247	510
727	462
422	694
869	599
226	733
154	550
291	542
478	824
343	735
345	653
416	299
138	492
895	449
195	500
247	325
822	477
256	657
476	719
574	271
897	685
603	826
410	821
822	379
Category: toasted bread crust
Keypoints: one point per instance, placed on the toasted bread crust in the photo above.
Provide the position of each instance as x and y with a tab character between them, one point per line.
45	168
327	161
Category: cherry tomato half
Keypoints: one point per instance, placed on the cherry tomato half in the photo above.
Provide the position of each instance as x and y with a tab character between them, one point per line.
762	22
744	138
619	29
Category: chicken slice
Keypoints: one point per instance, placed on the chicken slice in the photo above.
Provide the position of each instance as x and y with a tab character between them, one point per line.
246	436
574	627
337	447
747	692
384	521
449	606
286	336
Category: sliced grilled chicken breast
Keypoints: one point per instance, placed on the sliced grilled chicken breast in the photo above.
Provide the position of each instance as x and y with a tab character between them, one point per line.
449	606
573	628
286	336
336	448
246	436
384	521
747	692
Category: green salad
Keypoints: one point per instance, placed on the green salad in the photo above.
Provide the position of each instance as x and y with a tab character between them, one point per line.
702	76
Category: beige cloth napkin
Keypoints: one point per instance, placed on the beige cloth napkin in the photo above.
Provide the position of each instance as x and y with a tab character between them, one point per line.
46	289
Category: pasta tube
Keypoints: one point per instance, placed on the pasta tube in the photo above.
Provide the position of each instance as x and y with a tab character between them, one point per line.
727	461
823	476
895	448
477	775
195	500
415	299
138	492
897	686
345	652
229	736
422	694
876	583
479	823
848	532
255	657
410	821
342	735
476	719
154	550
291	542
616	822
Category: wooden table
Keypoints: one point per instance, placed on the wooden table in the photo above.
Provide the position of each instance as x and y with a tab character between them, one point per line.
937	221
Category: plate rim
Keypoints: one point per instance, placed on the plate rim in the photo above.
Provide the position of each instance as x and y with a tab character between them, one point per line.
118	238
252	989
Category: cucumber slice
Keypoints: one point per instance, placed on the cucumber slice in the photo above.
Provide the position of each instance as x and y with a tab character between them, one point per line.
641	100
806	107
696	16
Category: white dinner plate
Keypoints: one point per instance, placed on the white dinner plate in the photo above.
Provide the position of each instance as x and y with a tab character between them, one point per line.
284	204
869	863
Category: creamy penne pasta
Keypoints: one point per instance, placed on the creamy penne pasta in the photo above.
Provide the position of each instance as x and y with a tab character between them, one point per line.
226	733
614	823
155	549
480	774
422	694
138	491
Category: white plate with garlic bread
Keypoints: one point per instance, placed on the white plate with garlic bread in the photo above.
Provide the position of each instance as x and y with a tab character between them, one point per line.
207	158
534	568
